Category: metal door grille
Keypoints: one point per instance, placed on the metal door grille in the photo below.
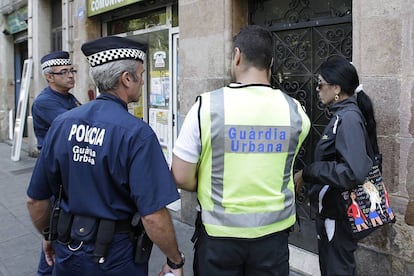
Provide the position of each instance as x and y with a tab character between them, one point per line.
298	56
305	34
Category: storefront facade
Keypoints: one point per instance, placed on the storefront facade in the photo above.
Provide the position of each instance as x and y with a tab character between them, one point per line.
189	51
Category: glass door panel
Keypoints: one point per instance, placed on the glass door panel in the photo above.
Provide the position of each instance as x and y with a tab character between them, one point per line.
159	89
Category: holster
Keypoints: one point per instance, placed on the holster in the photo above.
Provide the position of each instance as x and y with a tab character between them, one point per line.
54	219
64	227
143	244
104	236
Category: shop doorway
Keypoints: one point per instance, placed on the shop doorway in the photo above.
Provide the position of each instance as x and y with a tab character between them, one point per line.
158	104
305	34
156	26
158	30
20	55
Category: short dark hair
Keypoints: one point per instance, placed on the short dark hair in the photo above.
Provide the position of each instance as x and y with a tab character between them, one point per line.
256	44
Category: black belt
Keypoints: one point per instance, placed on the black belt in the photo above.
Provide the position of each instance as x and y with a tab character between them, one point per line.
88	229
123	226
102	233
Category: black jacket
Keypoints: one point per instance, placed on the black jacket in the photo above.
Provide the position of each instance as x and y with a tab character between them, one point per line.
341	158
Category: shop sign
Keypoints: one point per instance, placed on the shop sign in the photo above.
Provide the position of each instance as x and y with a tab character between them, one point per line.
100	6
17	21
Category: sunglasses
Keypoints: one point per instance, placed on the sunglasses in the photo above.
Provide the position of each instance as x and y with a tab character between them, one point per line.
320	85
64	72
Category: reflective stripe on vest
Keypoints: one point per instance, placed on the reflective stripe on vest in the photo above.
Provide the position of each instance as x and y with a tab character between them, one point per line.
218	221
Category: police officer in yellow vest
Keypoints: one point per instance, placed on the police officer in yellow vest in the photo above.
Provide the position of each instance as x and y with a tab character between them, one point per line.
237	148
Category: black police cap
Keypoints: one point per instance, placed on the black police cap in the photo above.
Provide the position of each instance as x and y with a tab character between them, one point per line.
112	48
58	58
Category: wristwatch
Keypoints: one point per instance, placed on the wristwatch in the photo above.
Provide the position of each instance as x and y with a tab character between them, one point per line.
174	265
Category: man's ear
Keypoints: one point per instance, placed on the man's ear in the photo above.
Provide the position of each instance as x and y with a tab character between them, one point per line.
49	78
125	78
236	55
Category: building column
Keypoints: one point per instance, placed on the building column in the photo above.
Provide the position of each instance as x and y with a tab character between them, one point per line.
6	79
38	45
82	29
206	32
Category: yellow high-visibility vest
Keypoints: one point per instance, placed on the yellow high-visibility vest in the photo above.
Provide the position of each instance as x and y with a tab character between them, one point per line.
250	137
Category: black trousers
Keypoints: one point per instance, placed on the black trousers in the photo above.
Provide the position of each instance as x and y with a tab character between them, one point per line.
336	257
268	255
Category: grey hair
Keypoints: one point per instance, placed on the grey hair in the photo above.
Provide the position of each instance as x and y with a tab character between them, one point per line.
106	75
47	70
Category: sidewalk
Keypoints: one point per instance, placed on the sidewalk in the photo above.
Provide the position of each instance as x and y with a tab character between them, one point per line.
20	243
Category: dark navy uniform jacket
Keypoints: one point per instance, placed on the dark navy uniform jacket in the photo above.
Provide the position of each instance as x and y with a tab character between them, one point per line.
46	107
109	162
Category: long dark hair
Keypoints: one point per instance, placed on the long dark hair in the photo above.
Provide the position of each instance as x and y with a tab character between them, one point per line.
338	70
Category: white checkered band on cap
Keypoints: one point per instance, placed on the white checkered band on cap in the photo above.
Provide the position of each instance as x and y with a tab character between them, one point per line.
115	54
56	62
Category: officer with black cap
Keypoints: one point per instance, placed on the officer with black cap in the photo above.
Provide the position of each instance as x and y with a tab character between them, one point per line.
54	99
104	166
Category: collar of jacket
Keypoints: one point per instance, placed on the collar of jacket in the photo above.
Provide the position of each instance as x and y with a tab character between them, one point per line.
342	104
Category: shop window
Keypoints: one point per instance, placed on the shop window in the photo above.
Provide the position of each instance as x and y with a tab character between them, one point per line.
138	22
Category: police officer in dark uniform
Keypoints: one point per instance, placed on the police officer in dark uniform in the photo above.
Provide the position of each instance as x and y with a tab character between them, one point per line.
103	166
52	101
55	98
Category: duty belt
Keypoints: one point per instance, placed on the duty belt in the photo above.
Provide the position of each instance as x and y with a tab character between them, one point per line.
79	230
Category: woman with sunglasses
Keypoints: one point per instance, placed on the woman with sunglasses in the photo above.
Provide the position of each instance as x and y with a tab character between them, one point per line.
340	162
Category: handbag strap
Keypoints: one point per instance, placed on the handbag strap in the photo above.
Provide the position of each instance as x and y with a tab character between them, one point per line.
376	158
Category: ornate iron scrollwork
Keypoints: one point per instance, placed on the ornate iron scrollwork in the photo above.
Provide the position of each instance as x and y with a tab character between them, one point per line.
299	53
299	11
305	34
270	12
